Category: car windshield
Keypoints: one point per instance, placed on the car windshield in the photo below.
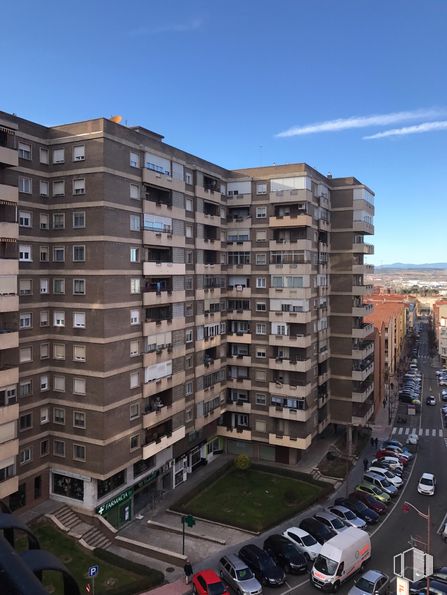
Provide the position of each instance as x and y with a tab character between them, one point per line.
308	540
244	574
426	481
217	589
385	483
268	565
364	585
337	523
349	515
325	565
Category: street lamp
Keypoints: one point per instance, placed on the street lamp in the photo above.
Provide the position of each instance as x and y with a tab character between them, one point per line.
406	508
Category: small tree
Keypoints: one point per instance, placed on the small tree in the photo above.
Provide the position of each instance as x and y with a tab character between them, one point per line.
242	462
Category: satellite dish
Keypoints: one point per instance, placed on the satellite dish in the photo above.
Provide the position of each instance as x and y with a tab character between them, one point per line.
116	119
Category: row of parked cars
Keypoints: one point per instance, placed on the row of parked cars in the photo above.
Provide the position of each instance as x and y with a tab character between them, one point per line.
411	387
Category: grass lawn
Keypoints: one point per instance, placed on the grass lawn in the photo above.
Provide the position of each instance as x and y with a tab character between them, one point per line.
252	499
112	578
335	468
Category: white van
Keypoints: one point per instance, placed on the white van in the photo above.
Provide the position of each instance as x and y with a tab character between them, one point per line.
339	558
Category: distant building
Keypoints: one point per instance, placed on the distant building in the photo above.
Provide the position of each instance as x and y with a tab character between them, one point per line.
440	328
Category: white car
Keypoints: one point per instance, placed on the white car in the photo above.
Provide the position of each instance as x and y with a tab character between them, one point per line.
413	439
390	476
305	542
427	484
392	463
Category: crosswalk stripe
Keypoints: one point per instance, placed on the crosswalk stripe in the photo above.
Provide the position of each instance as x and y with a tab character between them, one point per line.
427	432
433	432
407	431
394	430
441	433
400	430
421	431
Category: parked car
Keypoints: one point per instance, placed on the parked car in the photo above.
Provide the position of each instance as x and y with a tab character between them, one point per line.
238	575
369	500
444	395
372	582
381	482
439	576
206	582
286	554
393	443
331	520
374	491
317	529
391	453
399	452
359	508
305	542
427	484
262	565
390	462
348	517
396	480
413	439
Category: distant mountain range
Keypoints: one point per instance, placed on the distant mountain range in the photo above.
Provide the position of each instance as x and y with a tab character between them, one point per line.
402	265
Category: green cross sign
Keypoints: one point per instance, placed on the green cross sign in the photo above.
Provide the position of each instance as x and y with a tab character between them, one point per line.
189	520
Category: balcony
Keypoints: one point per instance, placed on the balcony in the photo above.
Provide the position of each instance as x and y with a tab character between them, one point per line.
361	375
238	292
362	310
9	303
208	193
208	244
9	339
291	221
303	293
290	244
287	390
239	383
9	374
301	415
163	413
291	341
208	218
304	268
238	314
160	269
9	449
292	195
291	317
239	360
238	406
8	157
292	364
8	414
9	486
206	343
9	193
290	442
236	200
364	331
363	350
362	269
211	366
153	327
211	268
160	444
363	227
9	230
161	384
9	264
323	377
240	433
239	269
323	356
163	239
363	420
239	337
362	248
362	395
162	180
158	298
207	419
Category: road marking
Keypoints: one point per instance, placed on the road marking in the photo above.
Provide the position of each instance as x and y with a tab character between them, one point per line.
407	431
421	431
427	432
433	432
441	433
400	431
441	526
394	430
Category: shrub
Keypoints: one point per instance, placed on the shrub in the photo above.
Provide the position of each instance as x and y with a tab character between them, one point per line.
242	462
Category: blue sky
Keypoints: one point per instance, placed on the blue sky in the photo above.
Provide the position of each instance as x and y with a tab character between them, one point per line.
221	78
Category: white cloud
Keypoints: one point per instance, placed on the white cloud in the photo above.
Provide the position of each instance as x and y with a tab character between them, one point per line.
191	25
362	122
417	129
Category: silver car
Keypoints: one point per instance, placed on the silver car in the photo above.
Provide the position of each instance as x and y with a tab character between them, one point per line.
331	520
347	516
239	576
371	583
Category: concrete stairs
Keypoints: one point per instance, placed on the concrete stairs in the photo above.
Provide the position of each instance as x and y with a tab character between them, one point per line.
89	536
93	538
68	519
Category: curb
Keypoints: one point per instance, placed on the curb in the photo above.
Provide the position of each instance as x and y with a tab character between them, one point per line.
169	528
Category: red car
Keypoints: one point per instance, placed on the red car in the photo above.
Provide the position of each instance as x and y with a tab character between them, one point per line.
369	501
390	453
207	582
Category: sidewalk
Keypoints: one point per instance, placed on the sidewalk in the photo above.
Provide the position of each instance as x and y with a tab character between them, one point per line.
177	588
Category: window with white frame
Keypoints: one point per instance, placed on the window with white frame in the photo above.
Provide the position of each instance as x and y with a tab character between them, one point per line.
44	155
59	415
58	318
25	185
44	448
134	410
260	375
135	285
59	188
59	351
78	219
58	156
59	448
134	159
58	254
261	258
44	221
78	319
261	425
189	336
261	212
24	219
261	188
134	317
58	220
79	419
59	383
79	386
44	253
25	388
44	188
261	235
79	353
134	348
59	286
44	318
134	441
44	383
44	415
134	379
188	204
261	282
134	255
188	231
261	328
25	355
135	191
79	186
25	320
78	253
260	399
44	349
79	153
135	223
79	452
188	389
25	253
261	352
25	287
26	455
261	307
78	286
188	178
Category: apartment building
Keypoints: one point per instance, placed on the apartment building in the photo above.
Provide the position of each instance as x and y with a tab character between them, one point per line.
163	309
440	328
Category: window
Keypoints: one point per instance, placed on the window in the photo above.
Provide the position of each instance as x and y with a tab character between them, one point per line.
59	415
260	425
134	255
261	329
44	318
58	155
189	283
44	384
189	362
25	320
261	188
134	410
44	350
188	231
44	188
260	375
134	379
188	178
261	282
44	155
188	256
26	455
135	223
79	353
25	388
78	253
188	204
261	212
260	352
58	254
79	386
44	252
134	441
261	258
59	351
44	221
261	235
134	317
44	448
79	186
188	415
79	452
25	287
188	389
59	383
78	286
189	336
79	420
25	254
261	307
44	415
59	448
78	219
25	421
261	399
134	348
134	160
26	355
59	319
24	219
78	319
79	153
135	191
135	285
59	188
58	221
189	309
59	286
25	185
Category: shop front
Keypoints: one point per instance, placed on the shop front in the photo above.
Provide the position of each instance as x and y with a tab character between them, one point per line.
118	511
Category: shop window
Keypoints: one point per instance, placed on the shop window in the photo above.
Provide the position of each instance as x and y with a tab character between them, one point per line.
112	483
70	487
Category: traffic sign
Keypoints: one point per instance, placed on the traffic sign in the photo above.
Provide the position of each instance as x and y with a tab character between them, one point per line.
88	588
93	571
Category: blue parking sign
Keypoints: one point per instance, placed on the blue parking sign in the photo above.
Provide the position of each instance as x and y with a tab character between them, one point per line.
93	570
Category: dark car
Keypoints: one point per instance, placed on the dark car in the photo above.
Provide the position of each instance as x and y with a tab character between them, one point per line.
262	565
369	501
317	529
436	587
361	510
286	554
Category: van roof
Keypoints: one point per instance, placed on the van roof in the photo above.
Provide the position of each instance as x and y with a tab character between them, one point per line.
351	537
